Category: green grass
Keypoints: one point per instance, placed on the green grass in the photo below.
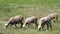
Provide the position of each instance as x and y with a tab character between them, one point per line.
56	30
28	8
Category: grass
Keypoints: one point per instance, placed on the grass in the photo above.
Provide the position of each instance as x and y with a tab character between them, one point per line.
27	8
9	8
56	30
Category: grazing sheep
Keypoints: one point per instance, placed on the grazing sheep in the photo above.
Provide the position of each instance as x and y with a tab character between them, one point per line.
53	16
44	21
15	20
30	20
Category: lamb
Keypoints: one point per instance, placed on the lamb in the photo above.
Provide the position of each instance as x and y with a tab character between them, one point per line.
54	16
44	21
29	20
15	20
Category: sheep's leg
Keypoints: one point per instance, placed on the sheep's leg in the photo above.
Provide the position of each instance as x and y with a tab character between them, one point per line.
47	26
50	25
15	26
42	27
35	21
36	25
21	25
10	26
28	25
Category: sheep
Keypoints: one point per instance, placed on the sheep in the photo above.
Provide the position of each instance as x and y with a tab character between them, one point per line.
54	16
29	20
44	21
15	20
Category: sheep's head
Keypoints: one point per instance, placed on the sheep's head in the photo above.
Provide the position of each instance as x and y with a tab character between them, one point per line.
24	26
39	27
6	26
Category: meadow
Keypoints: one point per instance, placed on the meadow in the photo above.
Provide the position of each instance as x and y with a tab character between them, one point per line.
28	8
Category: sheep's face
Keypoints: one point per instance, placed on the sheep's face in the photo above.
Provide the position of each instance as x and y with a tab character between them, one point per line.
24	26
39	27
6	25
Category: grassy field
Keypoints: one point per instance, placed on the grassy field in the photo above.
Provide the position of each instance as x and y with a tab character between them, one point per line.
27	8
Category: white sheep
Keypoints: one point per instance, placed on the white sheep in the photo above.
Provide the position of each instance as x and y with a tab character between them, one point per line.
44	21
53	16
15	20
29	20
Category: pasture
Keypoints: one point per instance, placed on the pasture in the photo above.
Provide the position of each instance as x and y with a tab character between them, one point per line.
27	8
